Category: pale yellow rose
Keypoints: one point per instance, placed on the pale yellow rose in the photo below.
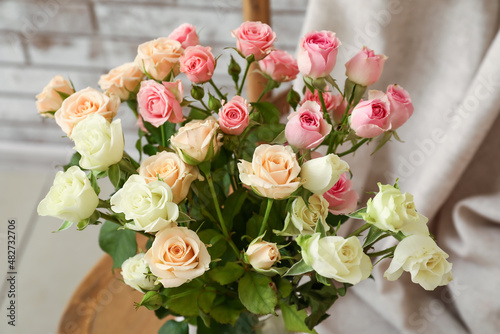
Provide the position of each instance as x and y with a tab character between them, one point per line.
302	219
273	171
177	256
134	273
83	103
159	57
263	254
320	175
121	80
419	255
168	167
49	100
197	141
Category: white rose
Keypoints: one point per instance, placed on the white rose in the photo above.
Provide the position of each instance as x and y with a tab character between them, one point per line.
197	141
320	175
71	197
99	143
420	256
263	254
336	257
134	272
390	209
148	204
177	256
303	220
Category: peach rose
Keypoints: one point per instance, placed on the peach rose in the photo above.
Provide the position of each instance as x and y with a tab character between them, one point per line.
177	256
255	38
121	80
186	35
197	141
172	170
159	57
262	255
273	172
49	100
83	103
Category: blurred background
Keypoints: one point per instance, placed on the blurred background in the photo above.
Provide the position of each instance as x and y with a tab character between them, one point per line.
80	40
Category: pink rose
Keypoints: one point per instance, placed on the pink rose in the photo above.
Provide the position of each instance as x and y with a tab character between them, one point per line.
306	127
255	38
318	53
365	67
280	66
159	103
198	63
401	106
186	35
371	118
341	198
334	104
233	117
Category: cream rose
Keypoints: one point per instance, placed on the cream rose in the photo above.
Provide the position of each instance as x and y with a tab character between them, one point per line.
49	100
320	175
148	204
121	80
159	57
197	141
83	103
273	172
420	256
262	255
99	142
390	209
303	220
134	273
71	197
172	170
177	256
336	257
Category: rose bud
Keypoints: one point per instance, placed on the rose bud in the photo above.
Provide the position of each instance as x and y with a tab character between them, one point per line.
233	117
49	100
262	255
371	118
279	66
186	35
254	38
198	63
159	103
306	127
341	198
318	53
365	67
320	175
159	58
401	106
121	80
134	273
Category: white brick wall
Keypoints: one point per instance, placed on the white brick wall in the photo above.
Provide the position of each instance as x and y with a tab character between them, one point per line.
81	39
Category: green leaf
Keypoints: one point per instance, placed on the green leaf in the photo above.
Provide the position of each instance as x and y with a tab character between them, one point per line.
359	214
227	274
174	327
232	206
120	244
227	312
184	218
385	138
319	298
285	287
184	299
294	319
65	225
280	139
372	235
82	224
75	160
256	294
206	300
268	132
197	114
93	183
293	98
218	247
269	111
323	280
299	268
63	96
114	175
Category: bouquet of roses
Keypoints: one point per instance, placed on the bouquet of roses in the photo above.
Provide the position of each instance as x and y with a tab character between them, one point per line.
242	214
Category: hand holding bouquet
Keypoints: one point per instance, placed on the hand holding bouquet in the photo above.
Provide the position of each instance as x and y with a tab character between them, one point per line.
243	215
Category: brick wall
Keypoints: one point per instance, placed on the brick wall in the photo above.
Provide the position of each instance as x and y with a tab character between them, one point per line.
84	39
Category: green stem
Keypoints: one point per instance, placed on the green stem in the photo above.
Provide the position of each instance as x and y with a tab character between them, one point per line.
163	139
205	111
103	204
266	216
261	96
359	230
219	93
118	222
244	78
354	148
205	106
323	106
127	166
385	251
219	214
